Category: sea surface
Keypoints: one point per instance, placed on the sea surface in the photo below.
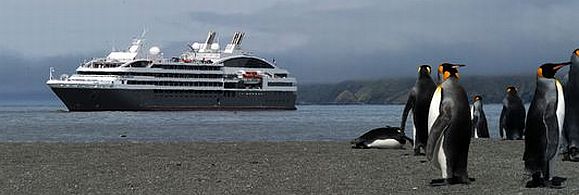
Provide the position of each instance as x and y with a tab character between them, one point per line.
52	123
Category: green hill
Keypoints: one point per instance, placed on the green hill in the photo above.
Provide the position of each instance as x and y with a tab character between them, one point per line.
395	91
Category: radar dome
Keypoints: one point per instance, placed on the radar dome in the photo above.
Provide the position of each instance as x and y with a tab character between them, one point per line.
154	50
196	46
215	46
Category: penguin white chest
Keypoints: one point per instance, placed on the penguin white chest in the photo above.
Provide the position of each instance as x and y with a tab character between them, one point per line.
434	109
560	110
385	144
441	157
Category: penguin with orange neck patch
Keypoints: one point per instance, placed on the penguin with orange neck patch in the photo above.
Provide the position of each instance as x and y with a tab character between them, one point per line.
449	127
480	128
571	126
512	121
543	128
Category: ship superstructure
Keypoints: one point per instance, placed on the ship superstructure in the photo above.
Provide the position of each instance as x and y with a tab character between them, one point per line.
202	78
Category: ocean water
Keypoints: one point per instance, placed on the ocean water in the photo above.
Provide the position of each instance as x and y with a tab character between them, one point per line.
24	123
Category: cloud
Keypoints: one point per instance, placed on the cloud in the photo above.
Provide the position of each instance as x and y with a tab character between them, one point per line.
384	38
317	41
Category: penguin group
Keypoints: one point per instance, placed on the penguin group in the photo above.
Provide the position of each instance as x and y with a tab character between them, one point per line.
444	122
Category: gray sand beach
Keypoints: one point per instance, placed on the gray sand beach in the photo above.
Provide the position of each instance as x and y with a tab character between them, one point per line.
255	168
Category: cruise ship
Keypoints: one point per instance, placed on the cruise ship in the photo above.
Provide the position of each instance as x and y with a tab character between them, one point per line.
204	77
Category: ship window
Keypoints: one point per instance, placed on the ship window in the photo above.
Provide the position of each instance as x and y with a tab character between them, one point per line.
175	83
280	84
246	63
186	67
174	75
281	75
139	64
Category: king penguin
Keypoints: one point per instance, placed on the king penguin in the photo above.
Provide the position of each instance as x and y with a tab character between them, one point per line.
419	102
382	138
512	121
571	126
449	127
544	126
479	120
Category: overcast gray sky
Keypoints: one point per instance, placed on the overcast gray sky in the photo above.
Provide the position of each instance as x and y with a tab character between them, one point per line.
317	40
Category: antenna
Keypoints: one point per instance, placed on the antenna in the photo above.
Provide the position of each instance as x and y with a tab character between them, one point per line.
114	48
143	33
137	42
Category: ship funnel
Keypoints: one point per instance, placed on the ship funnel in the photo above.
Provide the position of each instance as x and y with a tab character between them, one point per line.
209	41
237	38
235	42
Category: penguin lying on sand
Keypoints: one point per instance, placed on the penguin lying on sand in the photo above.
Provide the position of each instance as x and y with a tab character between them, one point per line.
382	138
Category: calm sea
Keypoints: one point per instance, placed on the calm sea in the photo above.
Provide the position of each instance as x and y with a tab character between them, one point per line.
22	123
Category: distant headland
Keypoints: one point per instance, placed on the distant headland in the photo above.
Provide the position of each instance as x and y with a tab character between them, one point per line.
395	90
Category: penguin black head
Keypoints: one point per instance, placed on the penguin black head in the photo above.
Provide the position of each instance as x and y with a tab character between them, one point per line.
449	70
511	90
424	70
576	52
476	98
548	70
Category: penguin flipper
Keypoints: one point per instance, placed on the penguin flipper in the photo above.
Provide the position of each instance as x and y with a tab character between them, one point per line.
502	122
437	130
409	140
552	128
409	105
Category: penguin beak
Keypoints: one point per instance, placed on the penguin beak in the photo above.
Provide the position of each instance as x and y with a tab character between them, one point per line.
559	66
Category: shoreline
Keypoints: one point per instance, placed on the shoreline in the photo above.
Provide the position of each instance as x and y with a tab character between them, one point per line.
285	167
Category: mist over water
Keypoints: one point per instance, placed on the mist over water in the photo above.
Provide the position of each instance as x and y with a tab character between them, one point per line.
24	123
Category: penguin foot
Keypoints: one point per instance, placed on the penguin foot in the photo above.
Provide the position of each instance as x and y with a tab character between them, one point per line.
573	154
558	179
418	153
535	183
566	157
359	146
460	180
439	182
554	184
